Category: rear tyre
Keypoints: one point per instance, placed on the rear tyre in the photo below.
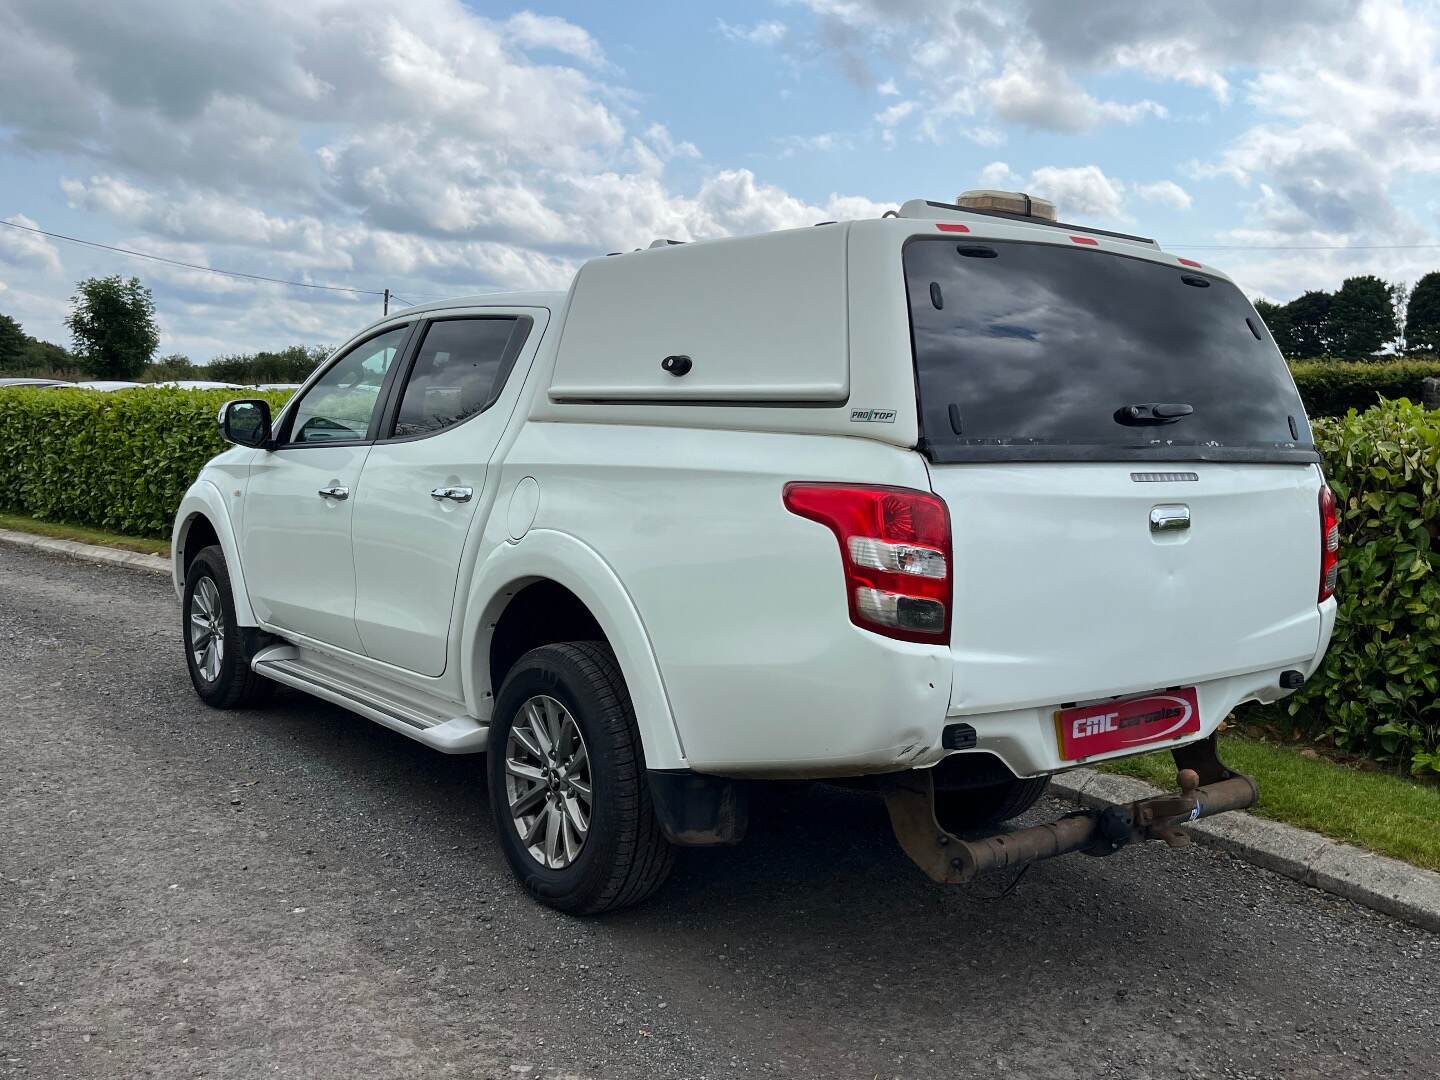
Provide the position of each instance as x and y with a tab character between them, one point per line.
217	651
989	805
567	782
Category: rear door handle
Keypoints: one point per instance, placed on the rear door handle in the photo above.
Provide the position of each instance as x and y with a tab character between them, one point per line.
454	494
334	491
1169	517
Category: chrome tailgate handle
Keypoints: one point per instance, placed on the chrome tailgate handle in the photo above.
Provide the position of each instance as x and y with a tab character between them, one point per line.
334	491
454	494
1169	517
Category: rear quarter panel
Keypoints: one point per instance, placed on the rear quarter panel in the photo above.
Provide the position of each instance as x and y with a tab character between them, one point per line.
744	603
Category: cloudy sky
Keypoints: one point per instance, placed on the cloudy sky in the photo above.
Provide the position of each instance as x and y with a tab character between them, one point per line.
438	147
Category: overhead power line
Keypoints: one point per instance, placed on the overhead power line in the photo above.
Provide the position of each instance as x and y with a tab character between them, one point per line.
192	266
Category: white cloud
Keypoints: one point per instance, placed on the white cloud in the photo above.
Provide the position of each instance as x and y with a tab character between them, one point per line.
1084	191
1081	191
659	137
1165	193
1342	96
1349	124
431	149
892	115
820	143
28	250
964	59
336	143
997	175
234	103
1031	93
548	32
769	32
1195	42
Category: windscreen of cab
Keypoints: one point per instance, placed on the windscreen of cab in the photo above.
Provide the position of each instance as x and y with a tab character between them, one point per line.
1034	351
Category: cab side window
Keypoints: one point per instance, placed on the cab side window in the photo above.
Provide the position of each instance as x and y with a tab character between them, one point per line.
459	370
341	405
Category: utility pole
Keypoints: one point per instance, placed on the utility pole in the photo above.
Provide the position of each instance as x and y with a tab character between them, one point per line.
386	310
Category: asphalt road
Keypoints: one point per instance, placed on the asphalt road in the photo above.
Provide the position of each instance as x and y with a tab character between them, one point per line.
298	892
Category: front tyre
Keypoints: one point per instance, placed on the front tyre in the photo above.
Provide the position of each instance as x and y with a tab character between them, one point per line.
567	782
217	651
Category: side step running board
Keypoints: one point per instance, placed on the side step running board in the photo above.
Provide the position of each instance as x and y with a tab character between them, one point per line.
447	733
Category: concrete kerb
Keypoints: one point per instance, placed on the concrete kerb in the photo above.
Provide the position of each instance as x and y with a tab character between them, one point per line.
1376	881
89	552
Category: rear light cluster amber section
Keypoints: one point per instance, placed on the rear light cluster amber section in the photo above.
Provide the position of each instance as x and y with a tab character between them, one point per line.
895	550
1329	543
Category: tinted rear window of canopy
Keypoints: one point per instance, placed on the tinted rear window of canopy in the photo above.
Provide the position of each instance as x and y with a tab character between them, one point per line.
1036	351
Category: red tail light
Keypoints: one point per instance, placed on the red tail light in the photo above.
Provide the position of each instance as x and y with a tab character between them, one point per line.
895	548
1329	543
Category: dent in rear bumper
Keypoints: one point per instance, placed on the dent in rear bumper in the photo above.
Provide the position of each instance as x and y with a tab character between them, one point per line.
1327	629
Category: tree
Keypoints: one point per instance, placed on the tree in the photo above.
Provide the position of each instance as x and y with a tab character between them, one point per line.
291	364
167	368
1362	317
1274	317
47	357
1422	315
1307	324
113	325
14	345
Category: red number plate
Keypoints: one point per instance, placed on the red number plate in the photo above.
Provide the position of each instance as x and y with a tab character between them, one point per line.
1121	725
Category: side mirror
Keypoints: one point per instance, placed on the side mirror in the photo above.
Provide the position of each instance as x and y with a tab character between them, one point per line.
246	422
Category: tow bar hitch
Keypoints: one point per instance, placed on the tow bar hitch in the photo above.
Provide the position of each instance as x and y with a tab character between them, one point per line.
1206	788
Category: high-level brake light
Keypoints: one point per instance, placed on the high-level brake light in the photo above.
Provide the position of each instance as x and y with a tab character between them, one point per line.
895	551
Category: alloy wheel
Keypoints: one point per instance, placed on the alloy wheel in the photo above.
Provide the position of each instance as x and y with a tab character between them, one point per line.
207	629
547	782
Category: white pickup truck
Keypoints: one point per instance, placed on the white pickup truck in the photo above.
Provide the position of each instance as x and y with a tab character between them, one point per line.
949	501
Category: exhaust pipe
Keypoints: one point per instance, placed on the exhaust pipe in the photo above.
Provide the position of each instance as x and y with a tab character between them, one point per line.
951	860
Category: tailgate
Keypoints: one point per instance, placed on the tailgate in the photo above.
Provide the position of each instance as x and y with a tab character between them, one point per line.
1064	592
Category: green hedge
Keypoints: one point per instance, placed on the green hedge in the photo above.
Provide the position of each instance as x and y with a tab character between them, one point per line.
118	461
1378	691
1333	387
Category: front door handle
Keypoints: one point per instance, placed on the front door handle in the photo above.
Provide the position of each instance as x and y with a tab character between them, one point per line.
454	494
334	491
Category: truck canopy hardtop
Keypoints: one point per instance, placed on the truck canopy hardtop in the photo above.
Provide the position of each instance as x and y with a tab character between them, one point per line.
971	334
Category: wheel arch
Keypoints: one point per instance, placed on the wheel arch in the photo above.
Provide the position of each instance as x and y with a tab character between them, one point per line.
201	520
548	561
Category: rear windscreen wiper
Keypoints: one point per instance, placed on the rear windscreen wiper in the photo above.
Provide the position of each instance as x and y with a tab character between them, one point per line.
1154	413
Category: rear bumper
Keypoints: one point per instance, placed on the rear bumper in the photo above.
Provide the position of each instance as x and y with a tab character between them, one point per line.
879	707
1027	742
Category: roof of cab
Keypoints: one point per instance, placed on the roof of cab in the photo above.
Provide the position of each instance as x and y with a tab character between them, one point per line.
498	299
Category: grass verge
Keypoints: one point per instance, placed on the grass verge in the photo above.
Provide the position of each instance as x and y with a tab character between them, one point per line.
1378	811
84	534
